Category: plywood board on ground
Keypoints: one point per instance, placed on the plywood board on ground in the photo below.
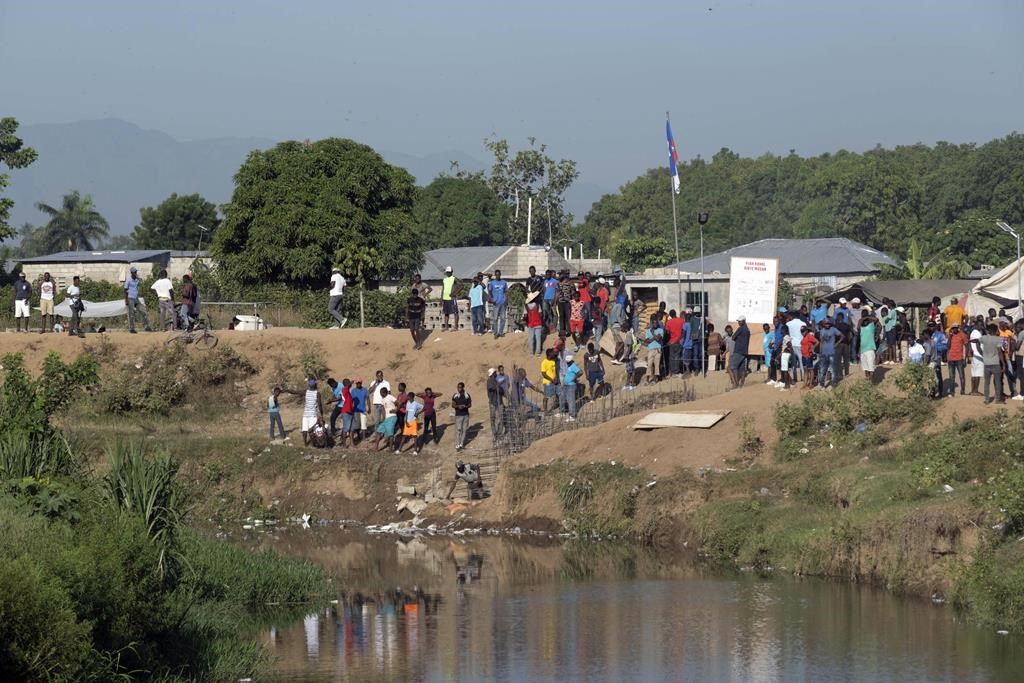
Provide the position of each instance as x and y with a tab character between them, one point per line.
696	419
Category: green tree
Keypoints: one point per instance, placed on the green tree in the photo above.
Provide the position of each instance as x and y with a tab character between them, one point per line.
299	208
14	155
358	263
530	173
917	266
174	223
637	253
460	212
75	225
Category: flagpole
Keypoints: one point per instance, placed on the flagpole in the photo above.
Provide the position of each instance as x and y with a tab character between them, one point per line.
675	232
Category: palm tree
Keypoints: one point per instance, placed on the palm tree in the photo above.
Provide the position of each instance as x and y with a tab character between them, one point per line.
918	267
76	224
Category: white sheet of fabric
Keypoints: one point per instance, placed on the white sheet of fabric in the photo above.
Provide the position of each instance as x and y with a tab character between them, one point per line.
998	291
94	309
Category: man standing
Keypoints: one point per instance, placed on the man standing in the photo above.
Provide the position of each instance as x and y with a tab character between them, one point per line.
496	403
534	282
957	350
954	314
550	289
868	344
189	301
77	307
674	327
377	401
449	305
477	308
992	357
423	287
740	349
461	403
47	288
22	299
497	290
133	302
335	298
827	339
312	410
564	293
569	379
360	396
654	337
165	297
415	307
549	377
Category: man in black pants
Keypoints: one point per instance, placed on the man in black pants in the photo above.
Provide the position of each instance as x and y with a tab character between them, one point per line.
563	296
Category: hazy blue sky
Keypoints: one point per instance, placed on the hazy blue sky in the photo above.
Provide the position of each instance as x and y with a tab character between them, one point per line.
592	79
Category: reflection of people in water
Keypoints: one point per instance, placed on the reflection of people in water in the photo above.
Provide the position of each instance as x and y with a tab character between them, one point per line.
467	563
471	475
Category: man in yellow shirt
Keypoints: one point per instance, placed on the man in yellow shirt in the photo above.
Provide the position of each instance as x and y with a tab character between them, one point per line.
953	314
549	377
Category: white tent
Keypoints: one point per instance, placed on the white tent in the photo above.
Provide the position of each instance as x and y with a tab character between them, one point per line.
94	309
998	291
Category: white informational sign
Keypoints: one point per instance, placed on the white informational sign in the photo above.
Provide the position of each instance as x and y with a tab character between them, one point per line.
753	289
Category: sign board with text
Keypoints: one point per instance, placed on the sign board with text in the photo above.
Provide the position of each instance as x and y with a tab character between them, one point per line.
753	289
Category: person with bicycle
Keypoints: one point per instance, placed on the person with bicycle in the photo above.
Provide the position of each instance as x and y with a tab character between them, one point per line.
189	302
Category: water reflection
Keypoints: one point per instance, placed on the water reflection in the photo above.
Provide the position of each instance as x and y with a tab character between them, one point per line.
436	609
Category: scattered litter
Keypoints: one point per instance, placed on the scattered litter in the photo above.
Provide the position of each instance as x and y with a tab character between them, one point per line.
860	428
804	451
947	488
1003	632
650	484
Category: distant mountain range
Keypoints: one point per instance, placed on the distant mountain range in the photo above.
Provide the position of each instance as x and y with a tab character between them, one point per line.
125	167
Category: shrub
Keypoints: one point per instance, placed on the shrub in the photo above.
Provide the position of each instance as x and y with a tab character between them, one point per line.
792	419
313	360
22	455
22	407
750	441
61	383
1008	496
916	381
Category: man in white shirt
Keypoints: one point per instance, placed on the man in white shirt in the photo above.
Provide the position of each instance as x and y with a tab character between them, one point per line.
165	294
336	295
977	359
75	295
376	400
794	325
47	288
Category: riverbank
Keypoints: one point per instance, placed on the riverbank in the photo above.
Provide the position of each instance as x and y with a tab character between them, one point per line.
849	485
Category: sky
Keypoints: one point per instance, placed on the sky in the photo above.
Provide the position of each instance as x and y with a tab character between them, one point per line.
592	79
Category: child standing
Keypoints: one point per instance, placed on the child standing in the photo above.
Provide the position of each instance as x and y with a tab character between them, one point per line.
274	412
785	359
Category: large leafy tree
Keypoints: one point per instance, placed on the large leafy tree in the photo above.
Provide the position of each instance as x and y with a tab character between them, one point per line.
175	223
300	207
13	154
454	212
637	253
75	224
519	176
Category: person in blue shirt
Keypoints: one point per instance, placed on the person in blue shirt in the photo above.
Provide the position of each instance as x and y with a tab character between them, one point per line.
828	337
548	309
569	378
497	290
360	398
653	338
132	302
819	312
477	309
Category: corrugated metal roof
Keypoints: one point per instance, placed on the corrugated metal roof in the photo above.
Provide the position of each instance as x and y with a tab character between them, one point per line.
125	256
465	261
824	256
904	292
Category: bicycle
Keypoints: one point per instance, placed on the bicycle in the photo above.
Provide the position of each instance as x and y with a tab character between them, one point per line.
200	336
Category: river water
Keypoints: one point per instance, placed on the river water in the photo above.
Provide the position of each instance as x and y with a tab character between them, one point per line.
500	609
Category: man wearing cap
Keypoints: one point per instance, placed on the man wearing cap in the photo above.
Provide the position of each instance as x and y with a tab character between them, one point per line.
133	302
449	305
335	298
360	397
497	290
740	349
841	310
22	298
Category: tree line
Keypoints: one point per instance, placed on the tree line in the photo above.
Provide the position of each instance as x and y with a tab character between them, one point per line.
299	208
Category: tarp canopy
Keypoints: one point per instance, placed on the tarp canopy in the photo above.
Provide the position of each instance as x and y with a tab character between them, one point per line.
903	292
94	309
998	291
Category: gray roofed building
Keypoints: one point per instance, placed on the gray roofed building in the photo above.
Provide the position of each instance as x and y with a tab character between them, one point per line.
117	256
465	261
823	255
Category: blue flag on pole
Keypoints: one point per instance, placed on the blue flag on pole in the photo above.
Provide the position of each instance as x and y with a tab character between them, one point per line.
673	157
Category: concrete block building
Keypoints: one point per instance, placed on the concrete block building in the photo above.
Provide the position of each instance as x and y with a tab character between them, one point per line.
109	266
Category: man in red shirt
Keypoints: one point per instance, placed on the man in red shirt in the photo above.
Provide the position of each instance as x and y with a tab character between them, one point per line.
674	329
348	410
956	356
808	345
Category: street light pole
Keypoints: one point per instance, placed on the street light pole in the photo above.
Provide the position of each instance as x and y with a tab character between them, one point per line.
702	218
1005	227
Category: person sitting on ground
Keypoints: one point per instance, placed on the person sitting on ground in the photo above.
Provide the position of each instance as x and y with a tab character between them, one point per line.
469	474
319	436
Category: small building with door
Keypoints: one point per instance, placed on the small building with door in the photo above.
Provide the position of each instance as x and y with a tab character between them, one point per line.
811	267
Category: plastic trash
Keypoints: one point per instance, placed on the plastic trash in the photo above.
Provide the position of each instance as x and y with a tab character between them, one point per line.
947	488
